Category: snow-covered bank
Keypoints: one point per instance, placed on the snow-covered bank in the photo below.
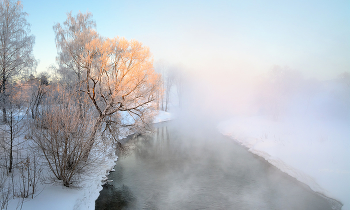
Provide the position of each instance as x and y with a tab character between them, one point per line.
82	195
54	196
163	116
315	153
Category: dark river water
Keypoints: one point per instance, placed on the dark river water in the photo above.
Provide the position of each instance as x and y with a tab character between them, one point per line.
197	168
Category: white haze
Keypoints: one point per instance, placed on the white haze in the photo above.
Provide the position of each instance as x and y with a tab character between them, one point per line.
299	124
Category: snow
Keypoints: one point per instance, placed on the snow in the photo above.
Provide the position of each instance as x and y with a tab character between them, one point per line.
54	196
162	117
300	125
314	152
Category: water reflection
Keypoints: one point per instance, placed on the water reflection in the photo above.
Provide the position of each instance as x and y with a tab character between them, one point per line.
114	198
200	169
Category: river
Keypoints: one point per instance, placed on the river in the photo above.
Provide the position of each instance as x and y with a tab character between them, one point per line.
193	167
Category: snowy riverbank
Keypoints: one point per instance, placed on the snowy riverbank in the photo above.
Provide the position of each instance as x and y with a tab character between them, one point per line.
315	153
54	196
163	116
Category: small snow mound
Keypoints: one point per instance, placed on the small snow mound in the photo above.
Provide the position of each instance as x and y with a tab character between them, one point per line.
163	117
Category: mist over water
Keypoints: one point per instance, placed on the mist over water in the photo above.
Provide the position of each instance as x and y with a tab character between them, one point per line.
279	94
186	166
226	54
298	123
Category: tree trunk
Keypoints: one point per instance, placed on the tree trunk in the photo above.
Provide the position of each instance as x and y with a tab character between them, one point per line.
11	144
167	100
3	91
4	118
91	140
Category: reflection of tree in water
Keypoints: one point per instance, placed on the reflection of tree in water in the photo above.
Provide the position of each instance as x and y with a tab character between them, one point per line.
146	145
161	150
125	146
151	147
151	142
113	198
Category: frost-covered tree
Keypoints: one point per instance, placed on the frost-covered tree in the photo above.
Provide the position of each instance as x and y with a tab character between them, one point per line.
71	38
115	75
169	74
62	134
16	46
37	90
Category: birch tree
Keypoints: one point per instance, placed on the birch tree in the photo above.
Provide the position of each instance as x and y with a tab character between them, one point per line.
16	46
71	38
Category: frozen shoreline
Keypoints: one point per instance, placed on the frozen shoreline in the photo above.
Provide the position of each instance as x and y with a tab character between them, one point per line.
314	154
163	117
55	196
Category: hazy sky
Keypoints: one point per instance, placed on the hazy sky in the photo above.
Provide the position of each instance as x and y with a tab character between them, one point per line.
223	37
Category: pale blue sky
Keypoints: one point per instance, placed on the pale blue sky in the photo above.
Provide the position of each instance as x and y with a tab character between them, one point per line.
217	36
